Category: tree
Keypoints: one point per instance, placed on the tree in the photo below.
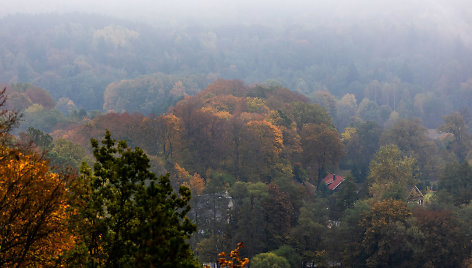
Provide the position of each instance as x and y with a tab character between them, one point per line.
131	217
456	183
389	239
249	214
391	174
349	235
444	244
454	124
326	100
322	149
34	211
235	261
39	138
429	107
309	235
303	113
361	143
33	204
153	93
197	184
289	254
169	129
344	198
269	260
261	145
346	109
8	118
410	137
67	154
278	215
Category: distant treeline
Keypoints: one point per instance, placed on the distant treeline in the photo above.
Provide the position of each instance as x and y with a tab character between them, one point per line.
406	69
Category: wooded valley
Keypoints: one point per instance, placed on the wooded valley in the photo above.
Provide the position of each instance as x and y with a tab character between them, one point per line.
125	144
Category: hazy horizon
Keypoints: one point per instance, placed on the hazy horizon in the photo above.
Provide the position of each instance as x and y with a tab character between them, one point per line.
250	12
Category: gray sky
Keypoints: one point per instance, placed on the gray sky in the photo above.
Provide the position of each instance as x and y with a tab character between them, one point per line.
448	15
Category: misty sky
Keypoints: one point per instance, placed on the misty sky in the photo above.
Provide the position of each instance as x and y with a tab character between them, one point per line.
450	16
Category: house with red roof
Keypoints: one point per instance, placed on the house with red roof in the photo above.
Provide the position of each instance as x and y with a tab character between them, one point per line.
333	181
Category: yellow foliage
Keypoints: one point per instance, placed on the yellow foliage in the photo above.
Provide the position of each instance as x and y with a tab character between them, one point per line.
268	132
385	212
348	134
219	114
235	261
390	169
256	105
172	121
34	211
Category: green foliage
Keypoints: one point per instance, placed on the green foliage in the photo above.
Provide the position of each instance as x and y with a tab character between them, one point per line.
390	239
344	198
249	213
278	213
460	145
150	93
346	109
38	117
311	232
391	174
361	144
39	138
131	217
269	260
304	113
65	153
289	254
455	184
349	235
410	137
370	111
218	181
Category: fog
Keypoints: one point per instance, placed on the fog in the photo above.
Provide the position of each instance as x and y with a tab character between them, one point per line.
451	17
455	13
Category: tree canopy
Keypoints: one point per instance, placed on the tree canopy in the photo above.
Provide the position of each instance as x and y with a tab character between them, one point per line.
132	217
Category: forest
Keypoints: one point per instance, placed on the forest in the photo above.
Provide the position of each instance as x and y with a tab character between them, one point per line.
124	144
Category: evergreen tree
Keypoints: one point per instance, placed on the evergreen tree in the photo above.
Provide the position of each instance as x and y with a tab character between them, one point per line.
131	217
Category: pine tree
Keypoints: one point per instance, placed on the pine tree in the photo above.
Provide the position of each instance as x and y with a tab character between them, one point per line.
132	218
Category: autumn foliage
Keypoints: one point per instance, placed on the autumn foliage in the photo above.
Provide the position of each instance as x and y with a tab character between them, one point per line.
244	131
34	211
234	260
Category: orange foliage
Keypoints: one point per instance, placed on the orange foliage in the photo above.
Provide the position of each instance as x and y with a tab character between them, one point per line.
197	184
235	261
34	211
181	175
226	87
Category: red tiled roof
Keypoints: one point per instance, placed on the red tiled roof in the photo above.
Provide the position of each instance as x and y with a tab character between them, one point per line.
333	181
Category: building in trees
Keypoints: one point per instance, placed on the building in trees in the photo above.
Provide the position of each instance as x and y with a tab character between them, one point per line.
333	181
